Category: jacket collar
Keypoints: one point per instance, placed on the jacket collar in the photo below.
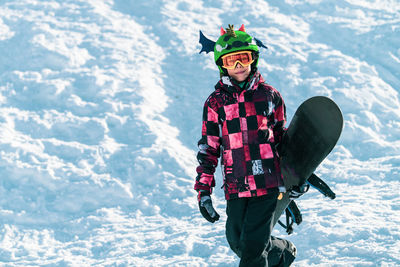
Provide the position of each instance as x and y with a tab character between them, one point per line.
231	85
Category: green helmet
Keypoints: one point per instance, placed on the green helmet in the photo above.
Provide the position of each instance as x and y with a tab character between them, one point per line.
232	41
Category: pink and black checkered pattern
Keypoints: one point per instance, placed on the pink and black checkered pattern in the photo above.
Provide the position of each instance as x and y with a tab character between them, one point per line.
245	125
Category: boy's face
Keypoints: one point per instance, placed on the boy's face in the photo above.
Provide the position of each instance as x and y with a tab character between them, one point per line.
239	73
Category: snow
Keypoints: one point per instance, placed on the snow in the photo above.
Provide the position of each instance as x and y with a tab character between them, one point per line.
100	113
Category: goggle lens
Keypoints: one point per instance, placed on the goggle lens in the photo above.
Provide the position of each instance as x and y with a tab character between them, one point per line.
244	58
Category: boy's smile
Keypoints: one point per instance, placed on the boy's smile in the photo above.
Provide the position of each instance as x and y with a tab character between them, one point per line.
239	73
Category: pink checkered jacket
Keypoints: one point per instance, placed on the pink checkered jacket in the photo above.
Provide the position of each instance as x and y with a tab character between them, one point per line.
244	126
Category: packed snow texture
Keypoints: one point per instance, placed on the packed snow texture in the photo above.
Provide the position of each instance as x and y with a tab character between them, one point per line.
100	113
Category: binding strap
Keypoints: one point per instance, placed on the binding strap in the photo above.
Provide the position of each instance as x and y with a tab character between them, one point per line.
321	186
293	215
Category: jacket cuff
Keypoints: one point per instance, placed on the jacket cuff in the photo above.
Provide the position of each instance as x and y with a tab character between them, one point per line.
203	187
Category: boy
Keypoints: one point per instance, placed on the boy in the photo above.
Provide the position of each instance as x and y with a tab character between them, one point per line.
243	120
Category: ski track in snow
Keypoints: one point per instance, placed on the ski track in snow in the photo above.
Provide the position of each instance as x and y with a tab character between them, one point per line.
100	112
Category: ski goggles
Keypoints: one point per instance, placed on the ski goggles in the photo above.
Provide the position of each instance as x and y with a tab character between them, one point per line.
244	58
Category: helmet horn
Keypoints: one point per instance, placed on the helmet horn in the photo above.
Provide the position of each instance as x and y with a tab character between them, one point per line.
222	31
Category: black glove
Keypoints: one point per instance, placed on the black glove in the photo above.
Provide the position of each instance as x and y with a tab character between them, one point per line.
298	190
206	207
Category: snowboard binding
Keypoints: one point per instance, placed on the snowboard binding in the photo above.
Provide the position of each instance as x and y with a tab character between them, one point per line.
293	213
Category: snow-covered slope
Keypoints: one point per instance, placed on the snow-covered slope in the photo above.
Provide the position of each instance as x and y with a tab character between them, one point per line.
100	113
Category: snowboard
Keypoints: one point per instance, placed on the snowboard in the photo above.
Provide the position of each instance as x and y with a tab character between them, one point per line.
312	134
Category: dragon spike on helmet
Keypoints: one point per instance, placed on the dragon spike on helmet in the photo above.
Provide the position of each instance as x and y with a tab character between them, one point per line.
222	31
242	29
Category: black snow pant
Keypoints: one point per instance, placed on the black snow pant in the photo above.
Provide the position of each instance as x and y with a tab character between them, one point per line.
248	231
